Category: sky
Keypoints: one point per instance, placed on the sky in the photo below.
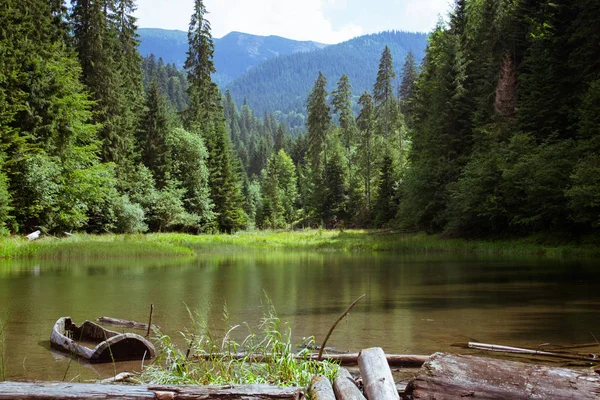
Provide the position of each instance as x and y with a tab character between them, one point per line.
325	21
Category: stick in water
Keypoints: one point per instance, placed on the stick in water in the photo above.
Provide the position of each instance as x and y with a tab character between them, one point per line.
335	324
150	320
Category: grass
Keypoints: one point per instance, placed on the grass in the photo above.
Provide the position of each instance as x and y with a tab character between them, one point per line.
175	244
216	367
82	246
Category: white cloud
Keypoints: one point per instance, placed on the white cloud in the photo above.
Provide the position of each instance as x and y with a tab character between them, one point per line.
327	21
300	20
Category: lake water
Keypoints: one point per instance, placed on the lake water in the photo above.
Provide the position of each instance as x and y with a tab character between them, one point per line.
414	304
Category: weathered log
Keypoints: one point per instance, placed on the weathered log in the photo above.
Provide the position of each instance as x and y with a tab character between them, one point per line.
74	391
345	388
518	350
376	374
320	388
124	323
393	360
122	377
455	377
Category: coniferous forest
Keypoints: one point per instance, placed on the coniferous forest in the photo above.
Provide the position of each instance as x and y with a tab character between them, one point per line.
495	133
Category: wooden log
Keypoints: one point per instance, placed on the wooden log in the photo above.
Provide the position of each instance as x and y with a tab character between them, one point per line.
76	391
124	323
376	374
455	377
518	350
345	388
320	388
393	360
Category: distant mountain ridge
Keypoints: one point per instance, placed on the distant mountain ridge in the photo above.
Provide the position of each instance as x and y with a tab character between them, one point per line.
235	53
281	85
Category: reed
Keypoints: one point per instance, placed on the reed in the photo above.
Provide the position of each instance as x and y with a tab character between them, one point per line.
178	367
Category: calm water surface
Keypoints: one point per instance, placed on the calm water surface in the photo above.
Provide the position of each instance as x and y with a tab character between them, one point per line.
414	304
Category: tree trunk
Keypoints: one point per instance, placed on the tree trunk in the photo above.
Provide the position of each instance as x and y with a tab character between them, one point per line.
377	377
454	377
320	388
393	360
345	388
64	390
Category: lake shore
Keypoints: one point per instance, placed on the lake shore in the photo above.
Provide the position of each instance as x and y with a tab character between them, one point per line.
184	245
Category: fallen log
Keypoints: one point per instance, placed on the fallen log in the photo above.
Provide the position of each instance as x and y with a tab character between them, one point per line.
518	350
376	374
76	391
345	388
393	360
455	377
320	388
124	323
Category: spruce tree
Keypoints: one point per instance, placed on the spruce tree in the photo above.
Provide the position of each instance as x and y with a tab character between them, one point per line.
406	90
319	121
383	90
152	136
205	117
366	127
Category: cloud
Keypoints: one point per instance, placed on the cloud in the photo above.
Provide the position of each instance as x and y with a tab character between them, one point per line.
327	21
300	20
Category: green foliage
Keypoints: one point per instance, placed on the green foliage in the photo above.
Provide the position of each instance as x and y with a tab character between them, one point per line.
279	191
188	165
215	365
5	200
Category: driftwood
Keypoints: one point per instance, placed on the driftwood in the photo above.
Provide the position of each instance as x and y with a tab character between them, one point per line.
377	377
350	307
122	377
320	388
76	391
454	377
518	350
345	388
393	360
124	323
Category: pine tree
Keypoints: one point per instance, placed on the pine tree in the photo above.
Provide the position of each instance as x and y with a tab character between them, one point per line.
318	122
384	89
385	207
365	126
95	43
205	117
406	91
203	92
342	104
152	136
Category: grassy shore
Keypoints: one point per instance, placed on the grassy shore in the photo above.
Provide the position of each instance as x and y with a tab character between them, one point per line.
174	244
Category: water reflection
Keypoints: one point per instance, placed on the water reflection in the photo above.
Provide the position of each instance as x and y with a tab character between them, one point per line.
414	304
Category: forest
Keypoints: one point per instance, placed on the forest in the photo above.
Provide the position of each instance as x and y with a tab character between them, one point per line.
495	133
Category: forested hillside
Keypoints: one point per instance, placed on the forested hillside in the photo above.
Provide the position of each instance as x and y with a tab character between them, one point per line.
235	53
495	134
506	121
281	85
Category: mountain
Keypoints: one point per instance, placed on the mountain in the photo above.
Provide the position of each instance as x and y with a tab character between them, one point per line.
281	85
235	53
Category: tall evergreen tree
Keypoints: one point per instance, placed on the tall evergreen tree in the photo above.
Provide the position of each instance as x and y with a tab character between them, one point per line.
365	123
319	121
205	116
152	136
342	104
95	43
406	90
383	91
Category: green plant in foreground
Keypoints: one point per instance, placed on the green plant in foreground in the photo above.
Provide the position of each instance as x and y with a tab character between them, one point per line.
212	360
